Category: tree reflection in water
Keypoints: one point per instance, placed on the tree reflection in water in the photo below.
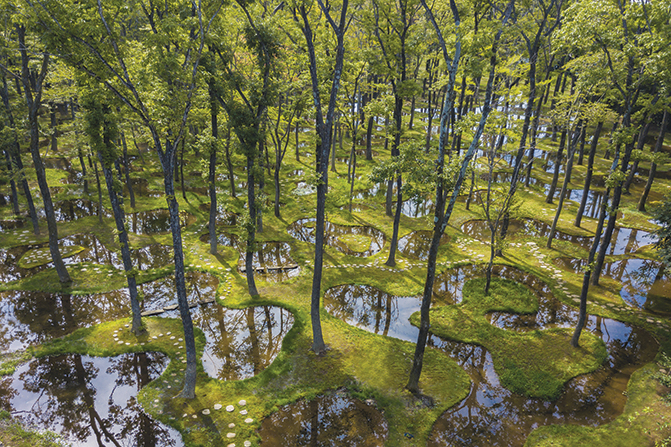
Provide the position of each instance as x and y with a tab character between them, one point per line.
89	401
241	342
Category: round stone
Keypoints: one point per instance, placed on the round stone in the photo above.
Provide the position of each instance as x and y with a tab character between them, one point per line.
248	444
231	425
217	406
206	411
230	408
249	420
243	412
230	435
242	403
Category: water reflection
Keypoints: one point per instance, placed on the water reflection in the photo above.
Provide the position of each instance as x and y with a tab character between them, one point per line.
645	283
69	210
241	342
223	217
334	420
6	225
416	244
162	293
492	415
155	221
271	259
336	236
623	240
28	318
89	401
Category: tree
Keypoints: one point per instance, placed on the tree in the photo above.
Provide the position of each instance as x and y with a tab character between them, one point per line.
324	125
165	45
443	210
102	132
32	81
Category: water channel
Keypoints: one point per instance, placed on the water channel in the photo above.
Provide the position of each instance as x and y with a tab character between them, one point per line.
492	415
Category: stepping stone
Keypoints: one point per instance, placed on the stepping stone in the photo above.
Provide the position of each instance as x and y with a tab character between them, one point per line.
249	420
248	444
231	425
230	435
206	411
217	406
230	408
243	412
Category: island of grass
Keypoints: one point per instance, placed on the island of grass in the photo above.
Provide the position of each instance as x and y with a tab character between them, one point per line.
363	364
534	363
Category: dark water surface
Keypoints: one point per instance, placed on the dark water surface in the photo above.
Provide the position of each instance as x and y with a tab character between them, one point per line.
492	415
89	401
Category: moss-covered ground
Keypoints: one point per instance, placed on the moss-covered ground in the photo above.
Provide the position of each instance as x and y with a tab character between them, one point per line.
536	363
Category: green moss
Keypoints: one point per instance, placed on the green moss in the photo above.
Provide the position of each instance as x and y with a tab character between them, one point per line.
356	242
536	363
42	256
13	434
646	420
9	361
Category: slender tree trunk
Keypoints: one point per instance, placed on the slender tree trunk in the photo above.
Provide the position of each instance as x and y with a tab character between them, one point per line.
641	144
10	170
94	166
227	146
251	228
653	165
588	175
117	209
555	176
15	153
582	314
564	189
126	164
33	95
214	109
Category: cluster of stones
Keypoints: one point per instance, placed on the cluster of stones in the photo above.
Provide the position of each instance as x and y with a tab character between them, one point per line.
556	274
464	245
24	236
228	279
229	409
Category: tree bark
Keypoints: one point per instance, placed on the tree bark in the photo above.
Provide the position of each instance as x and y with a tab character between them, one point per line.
588	175
653	165
32	88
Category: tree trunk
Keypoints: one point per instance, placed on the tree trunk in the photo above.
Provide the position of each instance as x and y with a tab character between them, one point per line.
588	175
214	108
94	166
641	144
251	228
231	176
119	219
10	170
582	314
653	165
126	165
33	95
555	176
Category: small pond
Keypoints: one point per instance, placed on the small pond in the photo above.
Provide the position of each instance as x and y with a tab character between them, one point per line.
623	240
272	260
361	241
89	401
155	221
645	284
240	342
416	244
334	420
492	415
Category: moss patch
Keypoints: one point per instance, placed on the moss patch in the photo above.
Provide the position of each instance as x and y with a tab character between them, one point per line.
42	256
646	420
356	242
536	363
